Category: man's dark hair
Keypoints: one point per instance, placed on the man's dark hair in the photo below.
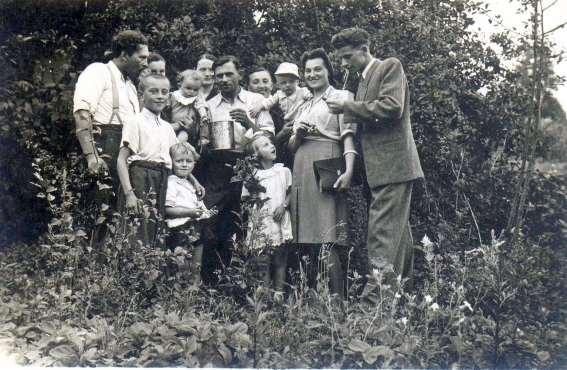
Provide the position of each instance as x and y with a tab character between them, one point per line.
127	41
155	57
226	59
350	37
144	80
208	56
319	53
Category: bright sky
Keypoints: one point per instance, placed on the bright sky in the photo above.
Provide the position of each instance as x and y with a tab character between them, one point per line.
511	18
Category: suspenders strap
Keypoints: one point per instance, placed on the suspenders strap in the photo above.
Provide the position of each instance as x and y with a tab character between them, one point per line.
115	98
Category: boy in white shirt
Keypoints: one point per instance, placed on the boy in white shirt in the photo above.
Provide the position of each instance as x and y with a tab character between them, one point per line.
144	162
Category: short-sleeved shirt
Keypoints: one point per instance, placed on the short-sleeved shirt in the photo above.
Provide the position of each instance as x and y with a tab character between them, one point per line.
93	92
181	193
149	138
329	126
220	111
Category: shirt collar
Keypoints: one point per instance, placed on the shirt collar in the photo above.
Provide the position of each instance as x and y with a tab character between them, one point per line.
368	66
183	99
148	114
117	72
240	96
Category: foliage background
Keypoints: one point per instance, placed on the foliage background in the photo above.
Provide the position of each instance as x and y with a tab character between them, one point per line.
469	143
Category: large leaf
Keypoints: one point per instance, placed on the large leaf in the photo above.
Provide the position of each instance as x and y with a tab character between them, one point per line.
371	354
65	355
356	345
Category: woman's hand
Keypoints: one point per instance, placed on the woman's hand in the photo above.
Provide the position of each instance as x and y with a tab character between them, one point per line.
343	182
303	128
279	213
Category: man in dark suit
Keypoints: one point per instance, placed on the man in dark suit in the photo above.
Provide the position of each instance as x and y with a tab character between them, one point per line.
381	109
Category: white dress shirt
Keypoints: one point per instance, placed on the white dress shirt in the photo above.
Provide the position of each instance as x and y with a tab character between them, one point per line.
149	138
93	92
220	111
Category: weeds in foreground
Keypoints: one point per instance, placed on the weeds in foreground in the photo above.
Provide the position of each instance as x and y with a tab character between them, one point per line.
67	302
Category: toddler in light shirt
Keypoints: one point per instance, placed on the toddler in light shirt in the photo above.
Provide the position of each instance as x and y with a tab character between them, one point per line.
183	209
289	96
189	112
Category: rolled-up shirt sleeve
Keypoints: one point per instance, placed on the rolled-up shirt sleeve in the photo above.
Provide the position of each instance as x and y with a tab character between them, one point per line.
131	135
265	122
89	88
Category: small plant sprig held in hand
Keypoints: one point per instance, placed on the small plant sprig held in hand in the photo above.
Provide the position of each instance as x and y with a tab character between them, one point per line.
245	171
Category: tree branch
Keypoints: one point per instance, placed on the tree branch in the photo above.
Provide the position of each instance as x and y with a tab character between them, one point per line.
549	6
555	28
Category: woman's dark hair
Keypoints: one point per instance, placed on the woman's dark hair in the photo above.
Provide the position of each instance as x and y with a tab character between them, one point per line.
319	53
226	59
127	41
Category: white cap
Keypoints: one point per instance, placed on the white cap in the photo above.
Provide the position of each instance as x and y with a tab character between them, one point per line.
286	68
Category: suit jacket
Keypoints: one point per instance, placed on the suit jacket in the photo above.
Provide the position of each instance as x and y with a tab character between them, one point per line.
382	110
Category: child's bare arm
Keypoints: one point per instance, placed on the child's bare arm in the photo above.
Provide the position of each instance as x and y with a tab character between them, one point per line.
178	212
199	189
280	211
132	203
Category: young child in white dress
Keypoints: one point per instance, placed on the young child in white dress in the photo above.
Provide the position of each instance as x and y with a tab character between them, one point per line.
269	226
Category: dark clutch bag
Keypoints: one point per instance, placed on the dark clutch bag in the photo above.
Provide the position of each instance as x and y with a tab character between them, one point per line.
327	171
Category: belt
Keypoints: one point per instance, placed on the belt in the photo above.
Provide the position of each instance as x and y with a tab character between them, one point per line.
155	166
106	127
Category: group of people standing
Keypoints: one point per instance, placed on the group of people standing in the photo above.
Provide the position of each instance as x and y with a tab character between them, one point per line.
156	144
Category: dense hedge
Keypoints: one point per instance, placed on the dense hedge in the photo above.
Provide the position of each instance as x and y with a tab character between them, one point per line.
468	143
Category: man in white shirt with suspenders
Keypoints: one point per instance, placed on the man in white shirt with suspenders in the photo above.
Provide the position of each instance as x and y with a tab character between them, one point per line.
105	97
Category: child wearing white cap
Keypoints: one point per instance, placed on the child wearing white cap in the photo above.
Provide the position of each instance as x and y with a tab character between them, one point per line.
289	96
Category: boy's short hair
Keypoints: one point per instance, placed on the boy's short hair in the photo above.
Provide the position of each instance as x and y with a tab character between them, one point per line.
353	36
184	148
226	59
155	57
144	80
191	74
319	53
127	41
